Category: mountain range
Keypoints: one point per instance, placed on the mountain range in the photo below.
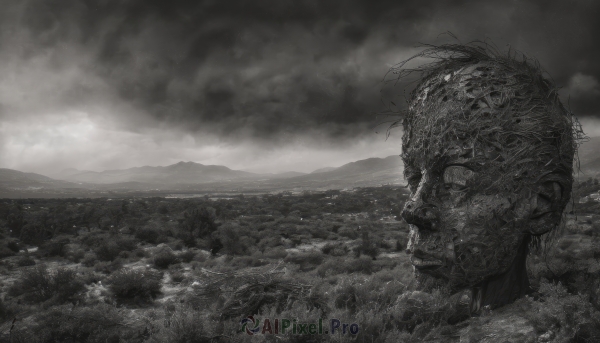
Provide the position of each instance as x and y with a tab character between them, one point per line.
190	177
195	177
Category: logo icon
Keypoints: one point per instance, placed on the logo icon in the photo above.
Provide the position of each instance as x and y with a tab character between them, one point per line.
250	325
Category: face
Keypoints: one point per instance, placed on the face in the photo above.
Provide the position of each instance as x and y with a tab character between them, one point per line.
471	205
464	225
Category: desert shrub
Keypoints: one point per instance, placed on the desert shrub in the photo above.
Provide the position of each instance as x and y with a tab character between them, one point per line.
134	284
5	251
148	235
163	209
107	267
187	256
92	277
350	297
571	317
334	249
100	323
54	248
38	284
348	233
247	261
126	243
107	251
360	265
75	255
25	261
124	254
200	221
178	246
367	247
165	258
14	246
6	311
277	253
319	232
306	261
94	239
234	240
338	266
426	310
182	325
271	240
110	250
177	276
188	238
89	259
140	253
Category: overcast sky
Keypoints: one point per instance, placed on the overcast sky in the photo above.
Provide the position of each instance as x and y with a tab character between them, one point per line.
257	85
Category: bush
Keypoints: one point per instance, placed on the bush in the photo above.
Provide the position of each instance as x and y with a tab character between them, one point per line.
25	261
184	325
14	246
164	259
348	233
101	323
6	312
234	240
350	297
247	261
38	284
335	249
337	266
367	247
306	261
108	267
137	285
148	235
187	256
6	252
277	253
76	255
107	251
177	276
126	244
89	259
54	248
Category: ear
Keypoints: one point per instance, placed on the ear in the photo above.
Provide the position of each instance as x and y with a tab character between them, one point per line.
546	207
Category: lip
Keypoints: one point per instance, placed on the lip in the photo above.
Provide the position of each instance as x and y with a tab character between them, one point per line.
421	263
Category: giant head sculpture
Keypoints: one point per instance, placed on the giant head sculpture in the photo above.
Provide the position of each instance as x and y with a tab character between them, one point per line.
488	153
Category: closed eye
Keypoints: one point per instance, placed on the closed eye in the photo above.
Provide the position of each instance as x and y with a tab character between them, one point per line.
456	177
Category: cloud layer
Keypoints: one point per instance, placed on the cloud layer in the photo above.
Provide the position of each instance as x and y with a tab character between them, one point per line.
113	84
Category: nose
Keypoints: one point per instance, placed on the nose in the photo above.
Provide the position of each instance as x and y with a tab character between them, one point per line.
419	210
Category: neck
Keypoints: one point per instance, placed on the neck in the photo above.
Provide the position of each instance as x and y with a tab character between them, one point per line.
505	288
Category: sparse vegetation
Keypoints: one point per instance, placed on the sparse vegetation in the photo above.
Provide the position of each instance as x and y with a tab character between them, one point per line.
38	284
103	281
137	285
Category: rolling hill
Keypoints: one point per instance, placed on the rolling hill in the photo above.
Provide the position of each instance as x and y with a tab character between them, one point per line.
192	177
179	173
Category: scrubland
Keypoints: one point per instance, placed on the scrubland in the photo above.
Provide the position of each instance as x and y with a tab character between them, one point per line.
188	270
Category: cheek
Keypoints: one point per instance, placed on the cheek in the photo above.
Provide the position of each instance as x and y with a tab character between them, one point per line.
480	215
487	238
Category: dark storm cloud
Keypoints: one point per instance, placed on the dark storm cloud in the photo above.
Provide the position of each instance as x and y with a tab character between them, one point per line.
266	67
255	72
